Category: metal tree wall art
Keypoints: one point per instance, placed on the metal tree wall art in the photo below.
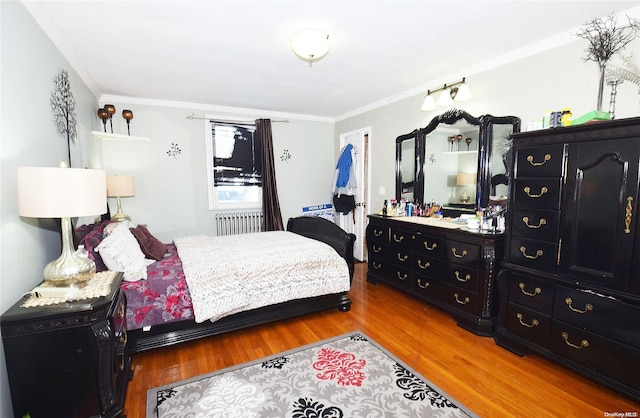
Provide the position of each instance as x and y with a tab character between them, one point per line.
606	38
63	106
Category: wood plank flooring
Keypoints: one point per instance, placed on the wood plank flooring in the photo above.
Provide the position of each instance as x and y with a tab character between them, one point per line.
487	379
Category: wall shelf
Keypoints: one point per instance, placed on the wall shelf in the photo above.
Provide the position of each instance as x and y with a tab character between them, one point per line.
116	137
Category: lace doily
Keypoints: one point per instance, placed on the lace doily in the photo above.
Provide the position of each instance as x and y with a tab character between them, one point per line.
98	286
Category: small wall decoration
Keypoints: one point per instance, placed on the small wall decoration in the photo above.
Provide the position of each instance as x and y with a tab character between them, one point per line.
285	156
63	106
174	151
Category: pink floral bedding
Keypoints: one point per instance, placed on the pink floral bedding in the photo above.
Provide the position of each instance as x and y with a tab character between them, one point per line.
162	298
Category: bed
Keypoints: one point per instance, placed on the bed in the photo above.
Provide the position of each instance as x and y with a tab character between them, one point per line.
162	311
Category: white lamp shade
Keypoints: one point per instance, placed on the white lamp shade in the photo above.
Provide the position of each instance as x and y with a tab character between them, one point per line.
445	98
54	192
120	186
465	179
310	44
464	93
428	103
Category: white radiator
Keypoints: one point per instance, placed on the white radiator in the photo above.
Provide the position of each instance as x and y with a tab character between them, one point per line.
234	223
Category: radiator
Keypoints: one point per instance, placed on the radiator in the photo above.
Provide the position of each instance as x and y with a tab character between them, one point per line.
234	223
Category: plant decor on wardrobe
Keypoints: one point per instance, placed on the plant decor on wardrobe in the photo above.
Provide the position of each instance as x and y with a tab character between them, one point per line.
63	106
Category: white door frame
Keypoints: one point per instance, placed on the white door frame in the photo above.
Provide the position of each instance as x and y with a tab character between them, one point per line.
361	140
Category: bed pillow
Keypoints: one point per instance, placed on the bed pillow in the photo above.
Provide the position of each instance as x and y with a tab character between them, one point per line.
150	245
91	236
120	251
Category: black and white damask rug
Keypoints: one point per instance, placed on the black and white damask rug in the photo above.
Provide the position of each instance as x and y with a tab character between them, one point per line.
346	376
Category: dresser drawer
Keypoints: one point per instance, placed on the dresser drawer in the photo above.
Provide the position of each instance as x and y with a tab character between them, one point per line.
461	277
610	358
531	293
540	161
428	246
462	253
428	266
600	314
534	193
539	255
401	238
529	324
425	287
377	234
390	273
536	224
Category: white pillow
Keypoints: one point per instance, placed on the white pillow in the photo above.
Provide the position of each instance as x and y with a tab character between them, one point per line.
120	251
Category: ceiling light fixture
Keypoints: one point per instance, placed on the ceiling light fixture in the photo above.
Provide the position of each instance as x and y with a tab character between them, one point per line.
458	92
310	44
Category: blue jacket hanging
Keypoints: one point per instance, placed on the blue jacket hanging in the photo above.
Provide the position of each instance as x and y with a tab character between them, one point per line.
344	166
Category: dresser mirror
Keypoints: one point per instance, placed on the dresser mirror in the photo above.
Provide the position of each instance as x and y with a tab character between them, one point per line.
453	160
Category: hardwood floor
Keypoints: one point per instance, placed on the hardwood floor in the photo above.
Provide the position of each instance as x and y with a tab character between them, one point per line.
489	380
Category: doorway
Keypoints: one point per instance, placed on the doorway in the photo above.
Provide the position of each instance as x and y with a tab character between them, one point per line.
356	222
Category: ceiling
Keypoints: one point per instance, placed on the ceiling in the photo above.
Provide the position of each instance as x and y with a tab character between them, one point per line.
236	53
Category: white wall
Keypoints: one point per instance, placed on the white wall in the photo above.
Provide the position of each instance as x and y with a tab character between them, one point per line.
28	137
171	192
550	80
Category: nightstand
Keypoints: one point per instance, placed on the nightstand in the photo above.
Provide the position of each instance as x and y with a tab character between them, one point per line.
68	359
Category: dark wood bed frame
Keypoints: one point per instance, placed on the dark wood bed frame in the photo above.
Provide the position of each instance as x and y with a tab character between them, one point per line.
183	331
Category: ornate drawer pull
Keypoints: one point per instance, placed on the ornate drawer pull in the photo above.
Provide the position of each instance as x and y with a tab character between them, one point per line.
461	302
396	239
460	279
523	250
426	246
588	307
453	251
534	323
377	233
423	286
377	266
123	337
527	190
547	157
526	222
401	277
424	266
536	291
583	343
121	311
627	219
402	257
121	366
377	249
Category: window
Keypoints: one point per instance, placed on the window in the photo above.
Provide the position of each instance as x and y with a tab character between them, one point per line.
234	166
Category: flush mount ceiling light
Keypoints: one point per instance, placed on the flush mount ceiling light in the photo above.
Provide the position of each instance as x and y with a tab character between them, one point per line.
458	92
310	44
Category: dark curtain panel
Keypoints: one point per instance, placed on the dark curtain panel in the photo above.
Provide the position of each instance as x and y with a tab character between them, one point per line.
270	204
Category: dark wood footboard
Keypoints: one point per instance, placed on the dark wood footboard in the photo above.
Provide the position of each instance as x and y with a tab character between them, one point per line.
178	332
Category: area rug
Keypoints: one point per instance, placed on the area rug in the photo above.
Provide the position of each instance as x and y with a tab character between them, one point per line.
346	376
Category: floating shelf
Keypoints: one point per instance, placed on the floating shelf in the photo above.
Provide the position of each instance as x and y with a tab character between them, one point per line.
116	137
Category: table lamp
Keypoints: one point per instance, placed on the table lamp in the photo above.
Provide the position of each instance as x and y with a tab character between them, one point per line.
61	192
465	179
120	186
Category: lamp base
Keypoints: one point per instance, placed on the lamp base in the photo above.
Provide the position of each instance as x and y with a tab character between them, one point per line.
120	217
69	267
464	198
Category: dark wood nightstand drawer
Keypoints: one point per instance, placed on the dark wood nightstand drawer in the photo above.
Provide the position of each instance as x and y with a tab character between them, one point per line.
603	315
537	193
529	324
540	161
531	293
536	224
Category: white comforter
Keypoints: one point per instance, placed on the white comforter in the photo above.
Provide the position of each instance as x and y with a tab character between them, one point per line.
229	274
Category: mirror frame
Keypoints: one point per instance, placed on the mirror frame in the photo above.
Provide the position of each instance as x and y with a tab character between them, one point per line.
485	125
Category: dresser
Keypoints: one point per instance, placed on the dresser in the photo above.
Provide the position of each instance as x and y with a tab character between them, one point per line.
570	287
449	267
68	359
